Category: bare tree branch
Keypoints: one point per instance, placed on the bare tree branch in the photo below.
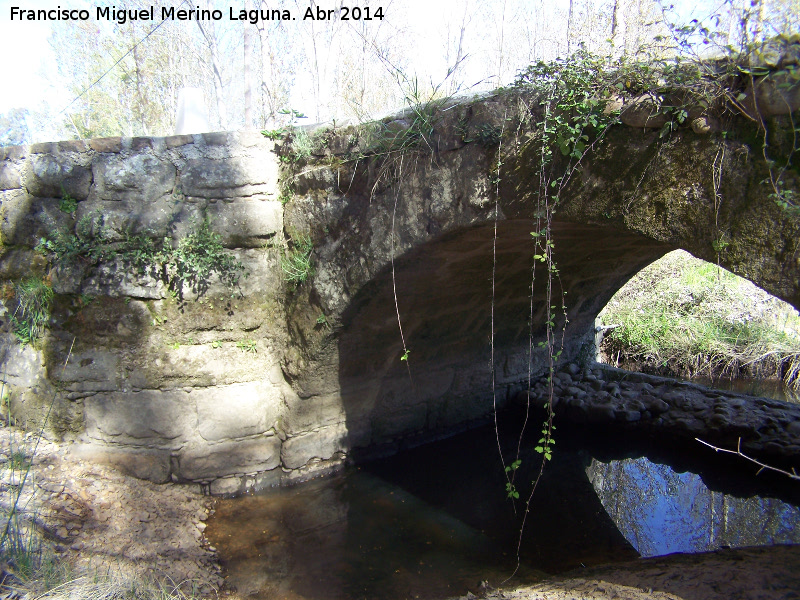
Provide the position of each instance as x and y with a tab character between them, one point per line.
791	474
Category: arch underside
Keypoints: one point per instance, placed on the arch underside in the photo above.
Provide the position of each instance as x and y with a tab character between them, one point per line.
445	301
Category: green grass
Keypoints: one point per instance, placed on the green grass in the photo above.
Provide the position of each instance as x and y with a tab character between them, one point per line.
683	316
34	299
296	263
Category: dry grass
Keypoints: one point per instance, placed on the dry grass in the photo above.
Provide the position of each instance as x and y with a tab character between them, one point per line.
683	316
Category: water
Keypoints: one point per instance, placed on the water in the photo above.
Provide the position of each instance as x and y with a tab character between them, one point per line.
433	522
765	388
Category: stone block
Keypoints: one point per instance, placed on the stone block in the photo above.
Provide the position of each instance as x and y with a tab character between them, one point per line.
216	138
208	178
643	112
227	486
52	178
246	223
21	366
175	141
19	262
141	177
152	465
109	144
9	176
230	458
149	418
237	410
138	144
96	366
321	444
13	152
308	413
71	146
43	148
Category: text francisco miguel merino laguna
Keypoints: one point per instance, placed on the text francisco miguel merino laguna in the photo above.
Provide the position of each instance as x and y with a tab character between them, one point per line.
123	15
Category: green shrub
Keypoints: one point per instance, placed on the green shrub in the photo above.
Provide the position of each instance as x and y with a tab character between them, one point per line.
88	243
196	259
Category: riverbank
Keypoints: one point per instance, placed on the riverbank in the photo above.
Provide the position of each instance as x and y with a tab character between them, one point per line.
771	573
648	404
684	317
87	524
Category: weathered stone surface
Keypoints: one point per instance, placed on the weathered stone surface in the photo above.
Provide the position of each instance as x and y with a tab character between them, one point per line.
310	413
246	223
152	418
109	144
208	178
51	178
322	444
9	176
229	458
239	410
94	370
141	177
151	465
21	366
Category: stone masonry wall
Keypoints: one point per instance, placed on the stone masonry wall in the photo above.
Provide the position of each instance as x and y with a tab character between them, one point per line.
170	384
186	388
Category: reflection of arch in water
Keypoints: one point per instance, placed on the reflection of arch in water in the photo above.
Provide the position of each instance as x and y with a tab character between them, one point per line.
661	511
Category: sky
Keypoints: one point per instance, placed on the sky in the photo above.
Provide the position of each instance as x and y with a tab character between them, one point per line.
30	76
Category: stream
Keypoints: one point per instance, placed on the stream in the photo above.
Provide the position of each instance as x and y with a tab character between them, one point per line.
434	521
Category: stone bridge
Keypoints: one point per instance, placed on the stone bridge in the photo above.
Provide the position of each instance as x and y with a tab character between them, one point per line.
422	247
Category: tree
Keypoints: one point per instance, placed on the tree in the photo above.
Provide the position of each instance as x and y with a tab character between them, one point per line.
14	127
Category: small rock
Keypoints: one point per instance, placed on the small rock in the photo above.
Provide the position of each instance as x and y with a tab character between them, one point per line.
628	416
565	378
573	369
656	406
576	391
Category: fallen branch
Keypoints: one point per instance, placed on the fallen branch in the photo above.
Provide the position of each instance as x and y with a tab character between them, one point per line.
791	474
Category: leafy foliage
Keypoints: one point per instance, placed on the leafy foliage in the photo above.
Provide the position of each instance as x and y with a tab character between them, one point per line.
576	91
88	243
196	259
200	255
68	204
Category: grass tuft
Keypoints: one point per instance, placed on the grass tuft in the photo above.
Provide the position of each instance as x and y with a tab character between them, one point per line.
34	298
296	263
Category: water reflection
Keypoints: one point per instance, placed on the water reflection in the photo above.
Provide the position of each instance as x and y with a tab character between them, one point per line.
766	388
661	511
434	521
349	536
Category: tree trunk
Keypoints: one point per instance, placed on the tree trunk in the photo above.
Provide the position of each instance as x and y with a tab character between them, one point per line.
248	82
